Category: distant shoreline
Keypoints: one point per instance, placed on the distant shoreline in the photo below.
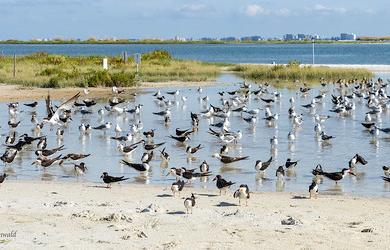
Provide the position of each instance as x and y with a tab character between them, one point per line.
172	42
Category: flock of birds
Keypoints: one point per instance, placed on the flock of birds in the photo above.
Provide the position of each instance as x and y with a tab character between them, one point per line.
372	93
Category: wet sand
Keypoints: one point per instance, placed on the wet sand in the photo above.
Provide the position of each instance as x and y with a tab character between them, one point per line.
11	93
86	215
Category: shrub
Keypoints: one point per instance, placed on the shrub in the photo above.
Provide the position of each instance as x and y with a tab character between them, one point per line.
122	79
157	55
54	82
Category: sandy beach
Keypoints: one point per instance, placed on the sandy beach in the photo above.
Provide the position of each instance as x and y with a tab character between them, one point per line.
11	93
128	216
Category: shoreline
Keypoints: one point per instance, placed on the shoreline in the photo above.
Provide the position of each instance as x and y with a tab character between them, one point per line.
60	214
375	68
12	92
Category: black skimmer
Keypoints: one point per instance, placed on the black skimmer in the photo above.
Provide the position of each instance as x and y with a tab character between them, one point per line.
385	178
224	150
10	139
75	157
204	167
149	146
189	203
280	173
190	174
163	113
31	105
190	151
317	171
177	187
48	152
103	127
325	137
149	134
313	189
242	193
13	124
141	167
80	168
89	103
185	132
46	162
147	157
164	155
356	159
181	139
42	143
290	164
222	184
126	150
262	166
386	171
229	159
9	156
110	179
2	177
336	176
125	138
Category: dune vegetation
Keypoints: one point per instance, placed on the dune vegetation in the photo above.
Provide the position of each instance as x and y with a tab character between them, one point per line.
55	71
293	71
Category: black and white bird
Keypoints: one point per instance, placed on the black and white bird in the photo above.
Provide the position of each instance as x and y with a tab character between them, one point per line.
177	187
2	177
262	166
204	167
356	159
228	159
126	150
189	203
222	184
80	169
141	167
242	193
190	151
147	157
313	189
386	171
290	164
280	173
110	179
103	127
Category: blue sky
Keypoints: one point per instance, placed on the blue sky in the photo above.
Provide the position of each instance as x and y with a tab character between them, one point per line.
25	19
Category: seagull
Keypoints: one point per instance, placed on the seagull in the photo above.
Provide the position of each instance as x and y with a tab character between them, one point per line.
189	203
110	179
222	184
118	128
242	193
54	118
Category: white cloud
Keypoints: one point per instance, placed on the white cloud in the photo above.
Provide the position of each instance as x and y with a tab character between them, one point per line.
283	12
193	8
326	9
253	10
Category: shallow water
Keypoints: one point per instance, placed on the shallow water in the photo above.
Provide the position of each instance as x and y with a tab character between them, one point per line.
350	138
227	53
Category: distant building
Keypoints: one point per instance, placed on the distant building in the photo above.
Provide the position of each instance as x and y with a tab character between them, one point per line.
229	39
302	37
289	37
180	39
251	38
347	36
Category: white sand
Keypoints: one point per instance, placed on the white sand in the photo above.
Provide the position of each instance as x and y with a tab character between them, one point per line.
81	215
